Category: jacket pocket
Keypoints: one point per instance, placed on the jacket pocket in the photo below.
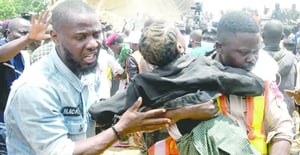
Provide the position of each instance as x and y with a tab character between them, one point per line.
76	127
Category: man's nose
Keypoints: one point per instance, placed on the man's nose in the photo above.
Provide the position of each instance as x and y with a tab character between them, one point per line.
94	43
251	58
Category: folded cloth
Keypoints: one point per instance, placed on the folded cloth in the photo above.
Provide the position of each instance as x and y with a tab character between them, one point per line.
217	136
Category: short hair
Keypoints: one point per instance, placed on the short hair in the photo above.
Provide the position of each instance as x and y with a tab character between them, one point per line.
67	10
287	30
15	23
235	22
158	43
273	31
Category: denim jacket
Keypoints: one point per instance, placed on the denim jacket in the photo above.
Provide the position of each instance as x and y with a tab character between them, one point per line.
47	109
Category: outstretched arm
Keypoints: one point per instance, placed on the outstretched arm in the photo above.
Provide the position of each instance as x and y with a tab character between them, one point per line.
131	121
280	147
37	32
201	111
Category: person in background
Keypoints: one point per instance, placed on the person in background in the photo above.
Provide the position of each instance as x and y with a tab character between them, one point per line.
18	35
209	36
289	45
121	50
195	43
297	35
135	63
3	29
208	39
278	13
272	35
46	111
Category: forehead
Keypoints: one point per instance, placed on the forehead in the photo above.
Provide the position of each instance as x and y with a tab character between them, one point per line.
82	22
20	25
245	40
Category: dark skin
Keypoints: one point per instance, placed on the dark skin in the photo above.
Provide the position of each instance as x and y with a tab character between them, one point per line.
201	111
37	31
242	52
78	43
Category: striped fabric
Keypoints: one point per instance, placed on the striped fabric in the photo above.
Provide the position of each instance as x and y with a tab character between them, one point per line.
217	136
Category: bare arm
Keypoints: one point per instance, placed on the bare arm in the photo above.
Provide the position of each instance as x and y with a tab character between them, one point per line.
130	122
37	32
281	147
201	111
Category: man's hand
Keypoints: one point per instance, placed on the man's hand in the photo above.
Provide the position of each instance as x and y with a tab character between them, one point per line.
201	111
295	94
133	121
39	27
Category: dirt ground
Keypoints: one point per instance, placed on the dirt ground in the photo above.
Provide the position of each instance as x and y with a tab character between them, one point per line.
132	149
122	151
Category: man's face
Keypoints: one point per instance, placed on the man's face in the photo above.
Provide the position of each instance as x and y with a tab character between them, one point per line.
193	43
116	48
21	30
79	42
241	51
134	46
210	38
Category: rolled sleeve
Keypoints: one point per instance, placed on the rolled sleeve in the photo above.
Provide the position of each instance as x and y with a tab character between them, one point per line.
35	120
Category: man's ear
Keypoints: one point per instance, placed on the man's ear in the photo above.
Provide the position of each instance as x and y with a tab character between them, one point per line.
54	36
7	32
180	48
218	46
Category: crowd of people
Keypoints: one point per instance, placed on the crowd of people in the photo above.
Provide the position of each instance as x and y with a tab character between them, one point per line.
71	84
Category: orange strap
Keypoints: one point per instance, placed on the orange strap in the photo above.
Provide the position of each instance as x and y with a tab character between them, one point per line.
164	147
223	104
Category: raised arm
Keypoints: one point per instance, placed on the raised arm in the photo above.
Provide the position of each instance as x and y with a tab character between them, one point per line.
37	32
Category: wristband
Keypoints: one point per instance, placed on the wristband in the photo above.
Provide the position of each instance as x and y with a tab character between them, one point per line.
116	132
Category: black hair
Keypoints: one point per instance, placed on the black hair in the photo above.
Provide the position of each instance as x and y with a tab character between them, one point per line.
15	23
287	30
210	30
158	43
272	32
235	22
67	10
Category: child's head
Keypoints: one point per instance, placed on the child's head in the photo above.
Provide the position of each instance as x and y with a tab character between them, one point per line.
161	43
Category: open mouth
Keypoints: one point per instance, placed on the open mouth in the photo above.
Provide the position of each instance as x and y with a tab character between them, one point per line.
91	58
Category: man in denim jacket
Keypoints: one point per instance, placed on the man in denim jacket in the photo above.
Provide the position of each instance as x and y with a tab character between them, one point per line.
47	107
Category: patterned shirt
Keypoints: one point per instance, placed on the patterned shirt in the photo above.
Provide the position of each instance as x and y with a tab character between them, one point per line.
41	52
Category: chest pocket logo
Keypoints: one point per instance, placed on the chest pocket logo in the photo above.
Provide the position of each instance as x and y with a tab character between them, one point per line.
71	111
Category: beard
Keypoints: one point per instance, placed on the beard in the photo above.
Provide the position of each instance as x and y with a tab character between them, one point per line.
75	66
